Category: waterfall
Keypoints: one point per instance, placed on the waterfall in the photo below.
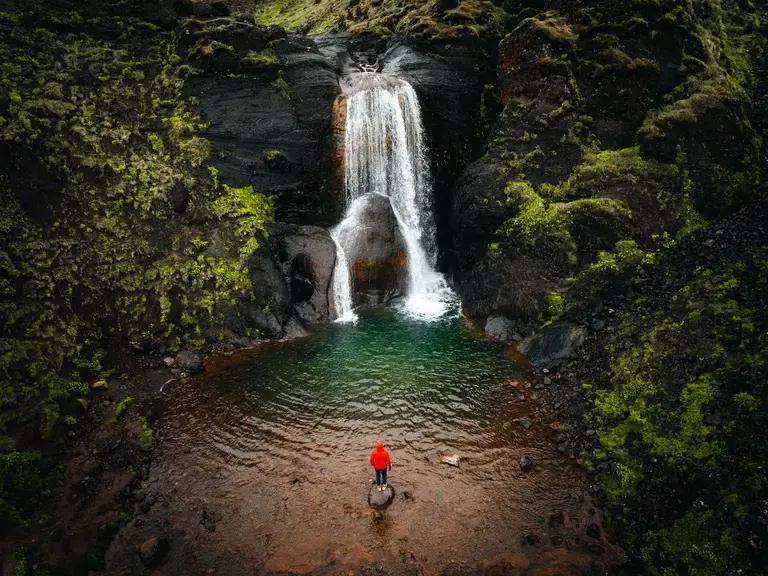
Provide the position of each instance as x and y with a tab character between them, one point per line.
342	294
385	153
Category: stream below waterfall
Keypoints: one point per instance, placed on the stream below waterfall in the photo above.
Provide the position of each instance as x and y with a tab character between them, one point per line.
270	445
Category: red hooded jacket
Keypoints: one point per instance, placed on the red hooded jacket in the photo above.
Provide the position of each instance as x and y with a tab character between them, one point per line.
379	458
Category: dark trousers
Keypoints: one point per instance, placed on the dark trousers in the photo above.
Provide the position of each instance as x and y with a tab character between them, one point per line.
381	477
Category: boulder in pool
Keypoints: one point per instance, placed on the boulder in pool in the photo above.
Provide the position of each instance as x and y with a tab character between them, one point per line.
380	500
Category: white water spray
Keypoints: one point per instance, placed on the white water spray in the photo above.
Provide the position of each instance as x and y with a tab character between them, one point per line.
385	153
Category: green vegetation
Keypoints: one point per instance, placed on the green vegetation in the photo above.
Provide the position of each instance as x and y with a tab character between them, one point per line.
91	248
470	18
555	28
281	87
147	440
24	476
685	378
264	58
612	168
656	414
121	407
696	544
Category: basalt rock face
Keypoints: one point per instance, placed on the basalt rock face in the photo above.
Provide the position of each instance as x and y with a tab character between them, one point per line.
270	101
267	99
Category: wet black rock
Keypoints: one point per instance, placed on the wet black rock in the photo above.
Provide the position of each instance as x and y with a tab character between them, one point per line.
552	345
502	329
189	361
376	252
379	500
443	5
526	463
153	550
306	256
219	8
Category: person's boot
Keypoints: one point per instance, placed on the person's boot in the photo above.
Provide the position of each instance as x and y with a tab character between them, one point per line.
383	487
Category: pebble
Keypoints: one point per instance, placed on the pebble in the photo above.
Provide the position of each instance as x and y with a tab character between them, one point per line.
525	423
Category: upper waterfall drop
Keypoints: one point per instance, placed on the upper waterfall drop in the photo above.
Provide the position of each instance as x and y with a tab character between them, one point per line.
385	154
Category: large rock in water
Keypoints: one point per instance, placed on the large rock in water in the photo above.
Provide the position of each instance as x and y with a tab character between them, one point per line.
375	250
380	500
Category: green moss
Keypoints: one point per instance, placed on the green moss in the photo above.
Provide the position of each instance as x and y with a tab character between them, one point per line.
20	556
24	477
121	407
263	58
659	398
610	168
107	120
731	40
746	401
147	436
555	306
536	224
553	26
206	48
696	544
282	88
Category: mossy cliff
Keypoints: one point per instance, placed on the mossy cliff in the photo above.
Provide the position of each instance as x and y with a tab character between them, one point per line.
626	122
115	231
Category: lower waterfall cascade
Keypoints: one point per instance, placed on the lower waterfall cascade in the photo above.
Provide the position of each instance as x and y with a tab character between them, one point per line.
385	154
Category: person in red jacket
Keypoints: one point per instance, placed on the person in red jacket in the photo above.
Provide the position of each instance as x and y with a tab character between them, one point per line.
380	461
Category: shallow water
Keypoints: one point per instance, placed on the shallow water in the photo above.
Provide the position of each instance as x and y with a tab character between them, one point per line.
276	440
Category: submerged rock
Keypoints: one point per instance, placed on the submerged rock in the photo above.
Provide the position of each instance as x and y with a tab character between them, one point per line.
552	344
379	500
526	463
451	460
